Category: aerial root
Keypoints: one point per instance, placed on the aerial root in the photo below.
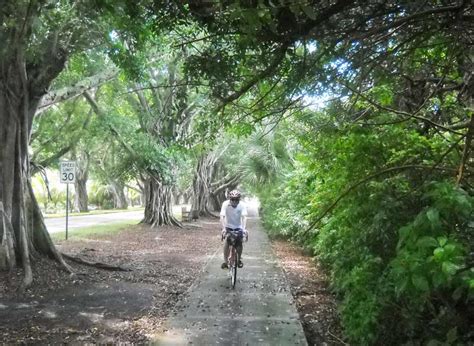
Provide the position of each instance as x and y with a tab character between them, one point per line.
100	265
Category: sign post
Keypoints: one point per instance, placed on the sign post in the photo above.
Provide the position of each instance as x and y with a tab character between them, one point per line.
67	176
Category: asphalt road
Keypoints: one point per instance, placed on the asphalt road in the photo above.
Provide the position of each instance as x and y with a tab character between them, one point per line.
55	225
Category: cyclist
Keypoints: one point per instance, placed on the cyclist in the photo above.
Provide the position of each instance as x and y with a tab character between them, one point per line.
233	218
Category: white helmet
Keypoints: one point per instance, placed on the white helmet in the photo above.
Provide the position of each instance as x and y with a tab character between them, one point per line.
234	194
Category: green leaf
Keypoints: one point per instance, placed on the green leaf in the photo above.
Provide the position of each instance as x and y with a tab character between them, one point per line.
420	283
449	268
402	286
309	11
452	335
433	217
404	234
438	279
438	253
442	241
450	248
427	242
457	294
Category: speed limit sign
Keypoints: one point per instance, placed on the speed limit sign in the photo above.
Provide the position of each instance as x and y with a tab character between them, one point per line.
67	172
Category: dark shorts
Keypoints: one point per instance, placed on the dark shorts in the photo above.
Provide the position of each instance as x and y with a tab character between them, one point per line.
234	235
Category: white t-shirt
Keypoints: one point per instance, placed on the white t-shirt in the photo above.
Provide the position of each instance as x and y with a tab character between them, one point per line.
233	216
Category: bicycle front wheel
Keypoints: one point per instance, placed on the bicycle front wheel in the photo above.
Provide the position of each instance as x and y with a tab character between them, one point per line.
233	268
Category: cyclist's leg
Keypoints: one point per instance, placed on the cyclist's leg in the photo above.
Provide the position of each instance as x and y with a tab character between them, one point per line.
239	247
226	253
226	250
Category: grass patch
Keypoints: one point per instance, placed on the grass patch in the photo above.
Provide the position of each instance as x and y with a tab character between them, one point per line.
95	231
94	212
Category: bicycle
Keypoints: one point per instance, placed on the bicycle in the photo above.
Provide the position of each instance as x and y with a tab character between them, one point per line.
233	237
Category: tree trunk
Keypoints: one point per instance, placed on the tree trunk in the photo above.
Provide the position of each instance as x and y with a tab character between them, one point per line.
127	195
22	230
467	67
120	199
81	198
218	197
7	251
176	196
158	208
186	197
208	194
201	185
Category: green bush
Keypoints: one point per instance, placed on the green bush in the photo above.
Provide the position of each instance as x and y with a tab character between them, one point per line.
397	247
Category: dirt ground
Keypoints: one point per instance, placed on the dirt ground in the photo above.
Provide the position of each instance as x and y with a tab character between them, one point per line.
309	286
157	267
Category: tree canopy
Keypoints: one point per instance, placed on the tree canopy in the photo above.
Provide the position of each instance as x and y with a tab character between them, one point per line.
195	97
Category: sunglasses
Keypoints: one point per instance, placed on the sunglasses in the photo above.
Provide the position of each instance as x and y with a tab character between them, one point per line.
234	200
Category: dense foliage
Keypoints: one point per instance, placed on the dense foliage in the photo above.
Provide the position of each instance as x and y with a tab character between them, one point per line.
398	246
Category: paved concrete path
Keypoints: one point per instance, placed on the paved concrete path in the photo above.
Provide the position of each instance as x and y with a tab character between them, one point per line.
259	311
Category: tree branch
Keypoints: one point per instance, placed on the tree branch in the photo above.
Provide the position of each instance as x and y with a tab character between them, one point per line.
232	180
401	21
56	96
95	106
466	151
280	55
396	111
47	162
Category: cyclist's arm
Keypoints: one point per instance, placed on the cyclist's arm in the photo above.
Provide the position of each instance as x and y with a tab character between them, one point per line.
223	221
222	214
243	218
